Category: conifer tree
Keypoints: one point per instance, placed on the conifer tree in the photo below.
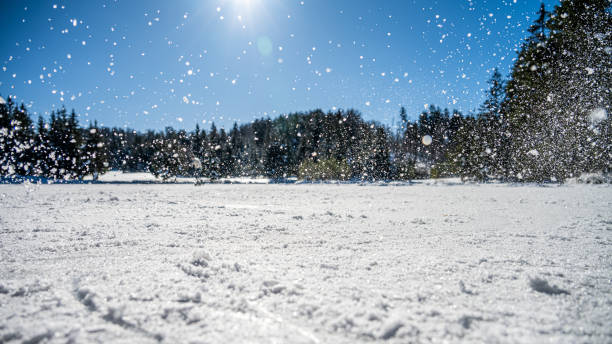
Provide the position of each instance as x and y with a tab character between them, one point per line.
41	149
563	73
6	141
95	153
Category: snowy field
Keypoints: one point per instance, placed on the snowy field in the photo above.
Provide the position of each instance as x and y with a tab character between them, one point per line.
431	263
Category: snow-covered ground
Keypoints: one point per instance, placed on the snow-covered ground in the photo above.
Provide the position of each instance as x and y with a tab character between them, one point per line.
147	178
312	263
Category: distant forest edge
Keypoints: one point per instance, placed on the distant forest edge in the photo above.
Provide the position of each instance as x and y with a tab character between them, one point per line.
548	122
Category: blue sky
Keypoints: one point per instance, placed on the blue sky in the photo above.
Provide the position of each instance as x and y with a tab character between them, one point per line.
151	64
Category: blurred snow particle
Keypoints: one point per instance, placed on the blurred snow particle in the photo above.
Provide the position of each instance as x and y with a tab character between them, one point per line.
2	101
534	152
426	140
598	115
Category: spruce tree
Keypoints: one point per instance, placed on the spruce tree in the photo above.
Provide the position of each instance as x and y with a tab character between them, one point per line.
6	142
489	126
74	145
95	153
561	76
23	141
41	149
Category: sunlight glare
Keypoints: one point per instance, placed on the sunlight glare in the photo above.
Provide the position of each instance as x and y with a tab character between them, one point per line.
245	5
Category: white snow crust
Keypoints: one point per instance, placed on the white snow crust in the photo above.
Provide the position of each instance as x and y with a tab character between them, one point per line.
309	263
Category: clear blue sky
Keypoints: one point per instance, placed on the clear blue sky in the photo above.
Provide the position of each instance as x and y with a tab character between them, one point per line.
150	64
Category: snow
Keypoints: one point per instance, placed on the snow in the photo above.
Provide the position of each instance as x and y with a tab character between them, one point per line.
426	140
598	115
309	263
591	178
118	177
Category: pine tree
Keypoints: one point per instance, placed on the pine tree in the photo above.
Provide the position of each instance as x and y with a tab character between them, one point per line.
95	153
173	156
212	161
236	150
6	142
490	143
538	28
23	141
562	74
276	161
16	140
580	38
467	154
41	149
73	146
198	148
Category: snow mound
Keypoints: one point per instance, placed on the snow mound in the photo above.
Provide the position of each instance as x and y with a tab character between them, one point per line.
591	178
389	330
201	259
87	297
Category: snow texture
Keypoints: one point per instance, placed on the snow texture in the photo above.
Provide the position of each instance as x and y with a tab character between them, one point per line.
312	263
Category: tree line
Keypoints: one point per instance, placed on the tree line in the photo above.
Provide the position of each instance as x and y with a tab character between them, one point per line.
548	122
312	145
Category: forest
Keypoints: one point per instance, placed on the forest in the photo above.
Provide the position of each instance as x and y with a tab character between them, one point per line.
546	122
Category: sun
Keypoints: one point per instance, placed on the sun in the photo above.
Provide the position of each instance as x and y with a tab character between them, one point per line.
245	5
248	14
